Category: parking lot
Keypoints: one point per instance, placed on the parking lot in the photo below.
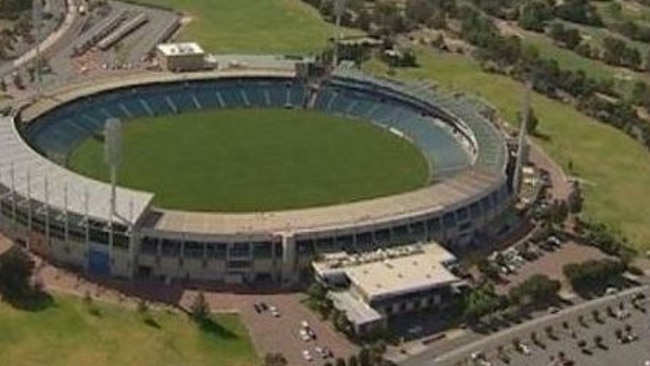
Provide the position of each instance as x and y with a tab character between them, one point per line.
617	336
282	333
522	262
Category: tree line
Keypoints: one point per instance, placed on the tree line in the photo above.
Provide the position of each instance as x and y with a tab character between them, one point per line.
11	9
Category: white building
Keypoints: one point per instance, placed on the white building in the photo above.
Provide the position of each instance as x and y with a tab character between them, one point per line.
389	282
181	56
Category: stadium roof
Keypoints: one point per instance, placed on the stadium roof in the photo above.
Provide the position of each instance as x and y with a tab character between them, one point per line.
33	176
447	194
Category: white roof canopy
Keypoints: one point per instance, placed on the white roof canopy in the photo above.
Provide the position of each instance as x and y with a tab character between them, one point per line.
34	176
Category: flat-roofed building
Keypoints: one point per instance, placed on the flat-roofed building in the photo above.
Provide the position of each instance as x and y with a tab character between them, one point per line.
187	56
389	282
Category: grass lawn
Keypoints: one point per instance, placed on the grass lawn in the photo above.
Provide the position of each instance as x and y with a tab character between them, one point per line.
629	10
253	26
567	59
265	159
67	334
616	168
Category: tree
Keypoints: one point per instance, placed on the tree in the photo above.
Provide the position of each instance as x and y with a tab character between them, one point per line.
341	322
568	37
631	58
556	31
275	359
598	340
534	16
549	331
572	38
596	315
537	290
613	49
419	11
317	291
488	269
593	275
353	360
480	302
200	309
532	123
646	63
584	50
365	358
578	11
15	272
340	361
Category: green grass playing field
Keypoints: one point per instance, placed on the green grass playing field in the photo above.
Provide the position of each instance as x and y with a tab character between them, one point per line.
253	26
265	159
67	334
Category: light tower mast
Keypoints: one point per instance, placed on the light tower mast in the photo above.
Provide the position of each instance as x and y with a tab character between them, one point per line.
113	158
522	141
113	155
339	10
37	20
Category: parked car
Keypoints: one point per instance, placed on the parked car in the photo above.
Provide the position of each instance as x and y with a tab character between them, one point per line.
304	335
274	311
307	356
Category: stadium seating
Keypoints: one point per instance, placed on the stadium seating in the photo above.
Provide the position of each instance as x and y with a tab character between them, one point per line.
59	132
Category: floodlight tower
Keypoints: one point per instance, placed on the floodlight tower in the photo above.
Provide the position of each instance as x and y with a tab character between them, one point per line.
113	158
339	10
522	141
37	20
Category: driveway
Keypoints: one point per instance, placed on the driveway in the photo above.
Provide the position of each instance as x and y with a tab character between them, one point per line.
280	334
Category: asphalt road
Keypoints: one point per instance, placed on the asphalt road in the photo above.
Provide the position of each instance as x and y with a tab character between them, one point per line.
450	352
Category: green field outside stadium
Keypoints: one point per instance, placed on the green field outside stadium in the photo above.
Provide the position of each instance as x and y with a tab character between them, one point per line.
66	333
258	160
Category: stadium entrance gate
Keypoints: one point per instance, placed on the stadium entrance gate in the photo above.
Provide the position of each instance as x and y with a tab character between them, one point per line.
99	261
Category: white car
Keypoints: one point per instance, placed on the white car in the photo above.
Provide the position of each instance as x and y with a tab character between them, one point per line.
307	356
304	335
274	311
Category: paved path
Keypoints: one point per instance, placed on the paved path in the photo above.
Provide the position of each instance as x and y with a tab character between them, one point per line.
562	187
53	38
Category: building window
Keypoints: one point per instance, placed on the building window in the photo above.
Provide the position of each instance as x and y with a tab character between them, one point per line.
193	249
345	242
462	214
240	250
262	250
170	248
448	220
149	246
239	264
433	225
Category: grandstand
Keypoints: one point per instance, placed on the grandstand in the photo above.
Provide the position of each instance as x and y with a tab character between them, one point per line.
69	212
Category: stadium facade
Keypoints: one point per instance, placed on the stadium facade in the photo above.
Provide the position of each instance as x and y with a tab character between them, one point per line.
66	217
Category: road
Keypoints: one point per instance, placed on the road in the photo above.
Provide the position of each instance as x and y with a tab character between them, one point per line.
450	352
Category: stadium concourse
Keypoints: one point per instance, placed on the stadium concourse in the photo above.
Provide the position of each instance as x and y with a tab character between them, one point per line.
67	218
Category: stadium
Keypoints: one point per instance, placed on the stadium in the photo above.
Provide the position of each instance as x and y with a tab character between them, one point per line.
67	217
